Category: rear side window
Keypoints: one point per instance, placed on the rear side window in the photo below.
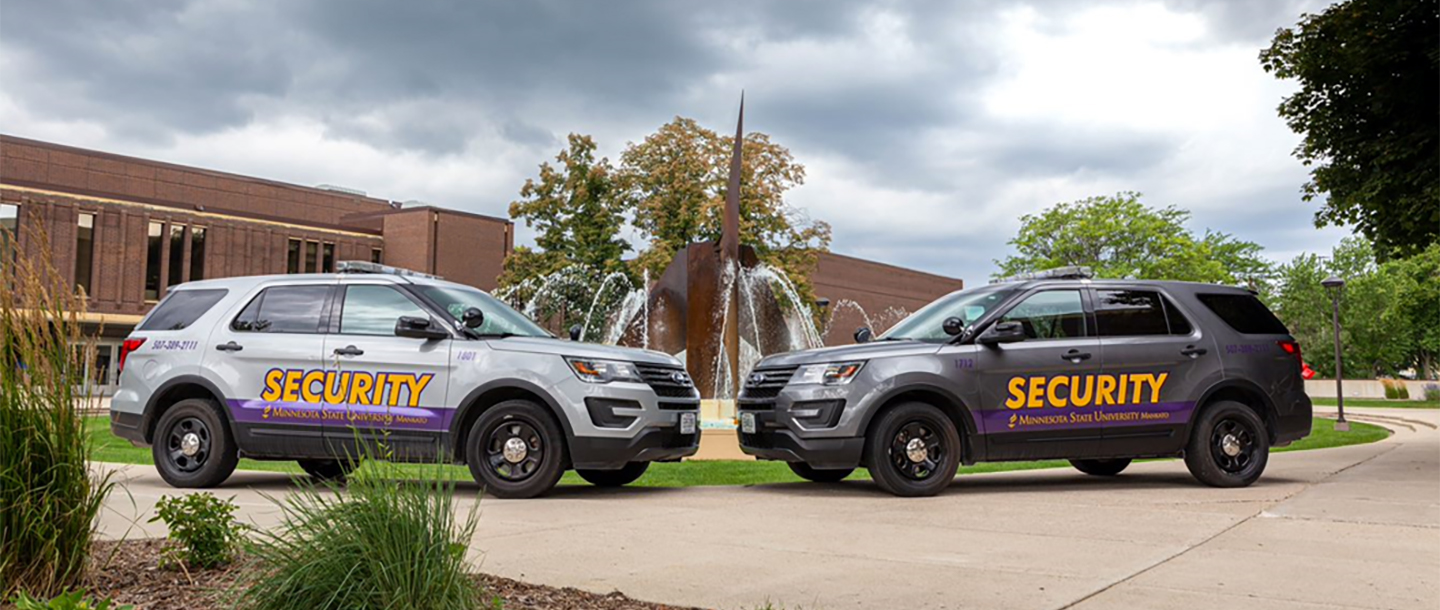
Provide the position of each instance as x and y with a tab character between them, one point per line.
284	309
1132	313
182	308
1244	313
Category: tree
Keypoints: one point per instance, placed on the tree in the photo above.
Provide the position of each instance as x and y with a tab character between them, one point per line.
675	181
1120	237
1367	110
1416	305
577	214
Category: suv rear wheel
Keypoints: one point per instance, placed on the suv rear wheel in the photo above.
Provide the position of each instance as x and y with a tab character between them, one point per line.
819	475
614	478
328	470
1229	446
515	450
1101	468
193	447
913	450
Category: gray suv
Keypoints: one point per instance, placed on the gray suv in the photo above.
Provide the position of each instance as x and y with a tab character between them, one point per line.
379	361
1053	366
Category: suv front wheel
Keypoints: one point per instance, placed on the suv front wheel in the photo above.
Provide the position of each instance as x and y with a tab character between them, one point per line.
1229	446
515	450
192	447
614	478
913	450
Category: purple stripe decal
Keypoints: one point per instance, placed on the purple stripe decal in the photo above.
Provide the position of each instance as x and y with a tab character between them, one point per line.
999	421
256	411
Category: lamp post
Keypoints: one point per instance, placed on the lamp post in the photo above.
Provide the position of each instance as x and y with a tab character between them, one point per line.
1335	286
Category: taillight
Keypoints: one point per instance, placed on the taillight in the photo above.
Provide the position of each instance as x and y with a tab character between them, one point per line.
128	346
1292	348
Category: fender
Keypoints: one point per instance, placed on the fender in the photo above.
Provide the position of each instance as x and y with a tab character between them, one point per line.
147	421
966	417
1268	412
470	399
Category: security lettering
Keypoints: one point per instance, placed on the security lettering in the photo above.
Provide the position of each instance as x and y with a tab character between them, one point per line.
345	387
1081	391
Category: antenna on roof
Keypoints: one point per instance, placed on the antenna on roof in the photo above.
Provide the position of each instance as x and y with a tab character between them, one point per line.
1069	272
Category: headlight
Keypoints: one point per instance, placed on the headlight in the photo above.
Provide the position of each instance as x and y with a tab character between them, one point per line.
603	371
838	373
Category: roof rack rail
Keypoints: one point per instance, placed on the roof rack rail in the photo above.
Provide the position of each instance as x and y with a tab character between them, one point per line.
369	267
1070	272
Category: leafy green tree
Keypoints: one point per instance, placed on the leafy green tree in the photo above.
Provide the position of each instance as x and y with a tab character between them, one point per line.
575	208
675	182
1366	107
1120	237
1416	304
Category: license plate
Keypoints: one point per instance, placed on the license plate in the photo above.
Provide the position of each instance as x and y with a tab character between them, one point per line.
687	423
747	423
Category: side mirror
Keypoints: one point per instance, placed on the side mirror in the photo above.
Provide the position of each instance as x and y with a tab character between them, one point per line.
863	334
575	332
1002	332
473	317
953	326
418	328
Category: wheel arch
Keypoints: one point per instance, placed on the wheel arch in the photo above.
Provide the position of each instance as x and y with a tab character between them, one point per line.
948	403
178	389
490	394
1244	392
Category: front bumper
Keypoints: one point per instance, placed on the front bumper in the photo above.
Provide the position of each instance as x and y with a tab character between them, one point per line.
651	445
827	442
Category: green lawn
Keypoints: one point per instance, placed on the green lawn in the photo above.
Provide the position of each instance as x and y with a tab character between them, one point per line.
109	448
1380	402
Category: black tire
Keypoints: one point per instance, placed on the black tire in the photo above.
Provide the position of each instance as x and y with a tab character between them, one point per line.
889	443
192	445
328	470
819	475
541	462
1101	468
1229	446
614	478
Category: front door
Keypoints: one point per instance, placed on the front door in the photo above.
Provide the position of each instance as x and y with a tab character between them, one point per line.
1036	394
267	362
384	391
1159	361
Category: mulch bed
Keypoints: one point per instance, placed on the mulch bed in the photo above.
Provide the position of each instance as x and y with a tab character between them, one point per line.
129	573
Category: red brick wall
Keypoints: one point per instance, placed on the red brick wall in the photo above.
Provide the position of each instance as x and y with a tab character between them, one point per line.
877	287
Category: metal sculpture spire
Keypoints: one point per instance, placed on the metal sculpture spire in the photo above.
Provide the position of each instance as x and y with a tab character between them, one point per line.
730	230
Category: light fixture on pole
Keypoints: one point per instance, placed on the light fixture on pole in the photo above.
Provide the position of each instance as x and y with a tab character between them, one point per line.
1335	286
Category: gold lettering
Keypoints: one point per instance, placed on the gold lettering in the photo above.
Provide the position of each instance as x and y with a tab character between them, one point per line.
1104	390
1137	386
336	385
1157	382
272	384
291	393
1077	398
1017	393
417	385
360	384
1057	401
1036	393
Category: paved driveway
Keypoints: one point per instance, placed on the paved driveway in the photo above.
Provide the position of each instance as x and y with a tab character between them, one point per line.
1354	527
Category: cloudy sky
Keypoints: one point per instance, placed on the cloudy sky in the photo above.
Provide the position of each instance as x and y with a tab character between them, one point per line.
927	128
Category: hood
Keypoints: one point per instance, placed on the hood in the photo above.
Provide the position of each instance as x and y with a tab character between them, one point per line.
862	351
561	347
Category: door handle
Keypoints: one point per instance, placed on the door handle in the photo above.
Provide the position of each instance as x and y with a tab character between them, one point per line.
1075	355
348	350
230	347
1193	352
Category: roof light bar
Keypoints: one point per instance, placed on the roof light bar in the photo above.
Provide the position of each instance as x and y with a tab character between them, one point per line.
369	267
1070	272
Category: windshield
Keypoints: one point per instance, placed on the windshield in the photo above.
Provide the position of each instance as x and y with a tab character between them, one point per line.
968	305
499	318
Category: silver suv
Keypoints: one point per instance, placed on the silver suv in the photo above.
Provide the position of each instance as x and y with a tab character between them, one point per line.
1050	367
380	361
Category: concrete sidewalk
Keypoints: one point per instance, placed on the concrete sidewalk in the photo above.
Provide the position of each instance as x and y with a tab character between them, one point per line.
1353	527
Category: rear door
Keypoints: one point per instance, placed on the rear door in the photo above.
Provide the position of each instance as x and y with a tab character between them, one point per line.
1033	393
267	360
386	391
1158	360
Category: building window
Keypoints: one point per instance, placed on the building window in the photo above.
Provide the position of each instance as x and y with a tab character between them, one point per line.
155	246
197	253
84	251
9	233
312	255
375	255
292	257
327	259
177	255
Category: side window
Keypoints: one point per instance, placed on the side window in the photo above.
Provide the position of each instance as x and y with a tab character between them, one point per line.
1053	314
1137	313
182	308
284	309
372	310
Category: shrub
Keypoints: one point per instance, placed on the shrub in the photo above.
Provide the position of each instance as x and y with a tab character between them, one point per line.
379	544
48	498
203	525
1432	392
73	600
1395	389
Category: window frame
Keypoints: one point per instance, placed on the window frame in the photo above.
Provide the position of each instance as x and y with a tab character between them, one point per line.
258	299
85	263
1167	304
338	309
1086	310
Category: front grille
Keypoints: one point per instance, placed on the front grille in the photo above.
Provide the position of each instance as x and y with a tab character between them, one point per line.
679	406
663	380
755	406
766	383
